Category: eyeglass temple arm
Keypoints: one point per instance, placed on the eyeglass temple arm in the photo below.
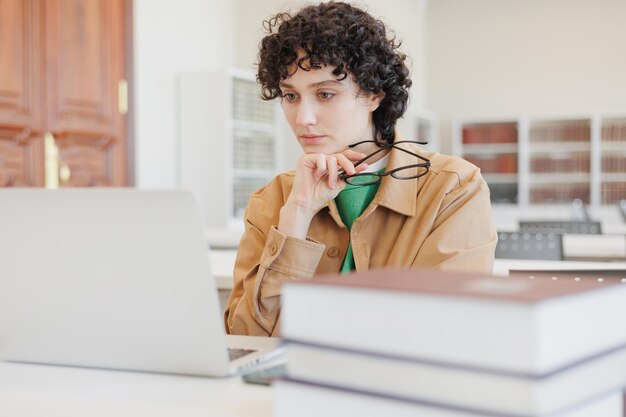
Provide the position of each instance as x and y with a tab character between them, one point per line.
394	145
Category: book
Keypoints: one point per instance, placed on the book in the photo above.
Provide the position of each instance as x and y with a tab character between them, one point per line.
505	324
459	387
293	398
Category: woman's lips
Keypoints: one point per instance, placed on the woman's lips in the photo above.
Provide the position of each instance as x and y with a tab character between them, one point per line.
311	139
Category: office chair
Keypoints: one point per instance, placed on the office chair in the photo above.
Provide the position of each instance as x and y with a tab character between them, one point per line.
526	245
583	227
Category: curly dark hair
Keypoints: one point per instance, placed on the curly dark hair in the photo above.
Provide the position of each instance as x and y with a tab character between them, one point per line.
343	36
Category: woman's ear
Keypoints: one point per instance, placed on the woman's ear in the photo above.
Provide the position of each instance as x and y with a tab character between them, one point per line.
375	100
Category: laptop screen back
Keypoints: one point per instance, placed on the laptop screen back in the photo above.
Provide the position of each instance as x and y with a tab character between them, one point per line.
111	278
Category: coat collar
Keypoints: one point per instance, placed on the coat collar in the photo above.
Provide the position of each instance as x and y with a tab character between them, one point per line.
399	195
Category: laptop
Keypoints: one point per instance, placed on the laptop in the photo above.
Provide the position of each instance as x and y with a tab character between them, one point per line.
115	279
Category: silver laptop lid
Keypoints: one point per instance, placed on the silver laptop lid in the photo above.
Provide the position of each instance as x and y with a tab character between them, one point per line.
111	278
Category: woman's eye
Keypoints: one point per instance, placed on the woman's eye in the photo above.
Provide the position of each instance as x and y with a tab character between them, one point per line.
289	96
324	95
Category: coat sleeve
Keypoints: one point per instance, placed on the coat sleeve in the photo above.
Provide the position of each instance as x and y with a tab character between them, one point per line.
463	237
265	258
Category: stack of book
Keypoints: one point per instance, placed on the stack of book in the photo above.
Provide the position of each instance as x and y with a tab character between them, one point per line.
442	344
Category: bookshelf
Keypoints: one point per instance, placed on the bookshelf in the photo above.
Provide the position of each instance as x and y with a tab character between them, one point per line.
548	159
613	159
560	165
494	147
253	132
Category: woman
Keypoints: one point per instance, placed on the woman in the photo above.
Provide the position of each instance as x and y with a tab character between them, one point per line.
361	196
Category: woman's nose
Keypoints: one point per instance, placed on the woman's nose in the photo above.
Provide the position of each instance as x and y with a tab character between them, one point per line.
307	113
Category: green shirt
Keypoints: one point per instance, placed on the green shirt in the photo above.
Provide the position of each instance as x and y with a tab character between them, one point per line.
351	203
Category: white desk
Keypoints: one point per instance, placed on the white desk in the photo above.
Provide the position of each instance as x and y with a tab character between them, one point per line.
223	238
503	266
40	390
601	247
507	216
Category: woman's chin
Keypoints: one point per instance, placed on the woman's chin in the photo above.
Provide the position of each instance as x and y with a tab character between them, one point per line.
318	149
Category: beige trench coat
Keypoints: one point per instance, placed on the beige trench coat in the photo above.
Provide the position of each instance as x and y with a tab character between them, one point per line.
441	220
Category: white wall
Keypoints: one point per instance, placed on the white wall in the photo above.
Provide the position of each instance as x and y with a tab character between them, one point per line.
171	37
508	57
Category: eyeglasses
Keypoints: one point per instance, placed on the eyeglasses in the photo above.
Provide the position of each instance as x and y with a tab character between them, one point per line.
406	172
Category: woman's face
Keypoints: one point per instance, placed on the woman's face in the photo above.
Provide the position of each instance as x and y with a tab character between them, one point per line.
325	114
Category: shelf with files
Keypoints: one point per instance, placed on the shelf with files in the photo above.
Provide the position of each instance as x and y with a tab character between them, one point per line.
560	157
493	146
613	159
253	134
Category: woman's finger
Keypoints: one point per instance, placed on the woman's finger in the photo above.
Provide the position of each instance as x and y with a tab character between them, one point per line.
361	167
346	165
319	169
353	155
321	163
331	163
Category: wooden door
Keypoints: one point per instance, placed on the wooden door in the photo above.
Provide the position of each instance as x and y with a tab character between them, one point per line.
65	63
21	121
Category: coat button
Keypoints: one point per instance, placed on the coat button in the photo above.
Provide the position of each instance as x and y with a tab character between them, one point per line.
273	249
332	252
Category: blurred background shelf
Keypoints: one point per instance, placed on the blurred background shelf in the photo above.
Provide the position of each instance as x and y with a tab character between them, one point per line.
547	159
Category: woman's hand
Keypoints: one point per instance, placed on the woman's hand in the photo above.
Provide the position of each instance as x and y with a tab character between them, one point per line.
316	182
